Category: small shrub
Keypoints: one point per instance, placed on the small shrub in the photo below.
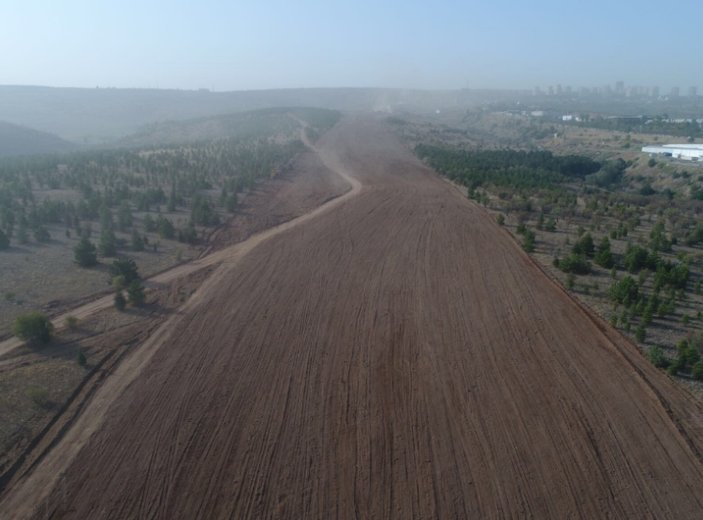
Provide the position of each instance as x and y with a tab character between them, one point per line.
570	281
40	397
33	327
640	334
71	322
574	263
81	359
500	219
528	242
119	283
697	371
656	355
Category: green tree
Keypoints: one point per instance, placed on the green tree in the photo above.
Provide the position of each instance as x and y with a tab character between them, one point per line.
640	334
188	234
697	371
149	224
658	240
528	241
625	291
165	228
604	257
135	293
638	258
202	213
584	246
124	216
41	234
4	240
22	234
656	356
574	263
118	283
108	243
33	327
105	217
137	241
231	203
125	267
119	301
84	254
171	205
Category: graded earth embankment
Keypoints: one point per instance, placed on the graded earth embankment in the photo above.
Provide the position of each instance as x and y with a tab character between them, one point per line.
396	356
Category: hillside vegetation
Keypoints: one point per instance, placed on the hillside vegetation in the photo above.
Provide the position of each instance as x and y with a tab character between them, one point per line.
73	213
20	140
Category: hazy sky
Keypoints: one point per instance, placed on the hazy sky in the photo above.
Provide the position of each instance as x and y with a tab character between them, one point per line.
248	44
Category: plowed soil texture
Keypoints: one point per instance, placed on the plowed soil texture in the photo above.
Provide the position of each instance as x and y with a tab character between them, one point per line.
395	355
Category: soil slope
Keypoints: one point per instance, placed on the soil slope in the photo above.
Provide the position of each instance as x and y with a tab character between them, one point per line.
396	356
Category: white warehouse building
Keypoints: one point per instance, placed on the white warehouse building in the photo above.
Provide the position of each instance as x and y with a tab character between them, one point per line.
687	152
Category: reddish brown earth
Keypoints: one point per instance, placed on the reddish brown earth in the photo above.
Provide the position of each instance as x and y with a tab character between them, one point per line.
304	186
395	356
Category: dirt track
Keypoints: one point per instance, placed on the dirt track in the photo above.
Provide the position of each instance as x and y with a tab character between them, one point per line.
393	355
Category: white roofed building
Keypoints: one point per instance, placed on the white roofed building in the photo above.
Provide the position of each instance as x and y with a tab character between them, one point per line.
687	152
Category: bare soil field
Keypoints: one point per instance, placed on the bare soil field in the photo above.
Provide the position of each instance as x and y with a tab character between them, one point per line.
306	186
393	355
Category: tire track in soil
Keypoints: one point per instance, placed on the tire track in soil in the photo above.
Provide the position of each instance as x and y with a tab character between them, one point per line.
399	358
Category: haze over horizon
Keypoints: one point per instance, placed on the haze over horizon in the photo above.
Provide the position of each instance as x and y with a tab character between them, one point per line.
250	46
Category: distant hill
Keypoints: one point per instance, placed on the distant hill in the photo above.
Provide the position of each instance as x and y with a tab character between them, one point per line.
93	116
20	140
254	123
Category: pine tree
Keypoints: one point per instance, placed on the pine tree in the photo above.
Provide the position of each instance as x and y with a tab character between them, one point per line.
84	253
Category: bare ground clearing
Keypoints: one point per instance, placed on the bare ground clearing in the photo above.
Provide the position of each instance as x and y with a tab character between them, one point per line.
397	357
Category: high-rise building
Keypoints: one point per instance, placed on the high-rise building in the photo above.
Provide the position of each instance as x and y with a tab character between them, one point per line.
619	87
692	91
655	92
674	91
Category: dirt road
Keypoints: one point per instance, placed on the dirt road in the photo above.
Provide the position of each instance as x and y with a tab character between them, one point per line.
394	355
